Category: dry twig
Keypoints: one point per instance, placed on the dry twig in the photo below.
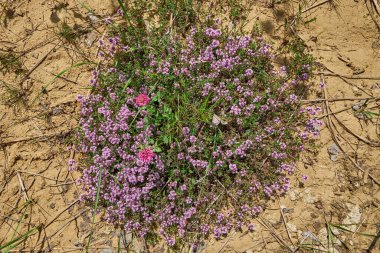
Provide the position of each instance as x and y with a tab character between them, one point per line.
274	234
336	99
350	76
329	125
286	227
9	142
60	212
37	64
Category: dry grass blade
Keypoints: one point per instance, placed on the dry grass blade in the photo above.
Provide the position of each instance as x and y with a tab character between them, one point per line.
286	226
22	187
329	124
13	95
39	175
368	142
336	99
9	142
376	6
350	76
61	227
225	243
315	6
370	5
60	212
274	234
37	64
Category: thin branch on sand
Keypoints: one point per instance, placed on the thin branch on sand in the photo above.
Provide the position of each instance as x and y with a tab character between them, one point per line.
22	187
60	212
336	99
350	76
274	234
9	142
286	226
329	125
37	64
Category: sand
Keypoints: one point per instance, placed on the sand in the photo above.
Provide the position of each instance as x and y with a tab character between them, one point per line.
41	112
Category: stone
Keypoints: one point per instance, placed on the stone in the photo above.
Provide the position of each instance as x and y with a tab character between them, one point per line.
307	197
107	250
90	38
359	105
93	19
324	239
353	217
309	234
293	194
333	151
291	227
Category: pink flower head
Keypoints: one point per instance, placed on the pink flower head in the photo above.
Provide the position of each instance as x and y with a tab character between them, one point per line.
146	155
142	100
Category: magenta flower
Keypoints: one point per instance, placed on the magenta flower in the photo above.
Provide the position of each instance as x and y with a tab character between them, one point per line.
142	100
146	155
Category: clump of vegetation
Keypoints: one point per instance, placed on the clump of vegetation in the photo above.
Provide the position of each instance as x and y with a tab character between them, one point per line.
184	138
13	96
67	33
10	62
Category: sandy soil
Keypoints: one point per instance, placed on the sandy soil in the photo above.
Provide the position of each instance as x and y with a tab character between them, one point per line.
37	118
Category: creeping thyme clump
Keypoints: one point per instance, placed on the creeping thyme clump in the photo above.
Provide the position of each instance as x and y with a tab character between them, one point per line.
191	138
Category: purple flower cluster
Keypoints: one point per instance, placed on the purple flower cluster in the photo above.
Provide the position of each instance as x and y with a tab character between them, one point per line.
197	140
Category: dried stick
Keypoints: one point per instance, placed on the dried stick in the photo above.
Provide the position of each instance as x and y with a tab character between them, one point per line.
286	227
274	234
350	76
371	14
6	143
376	6
60	184
37	64
370	143
315	6
22	187
72	154
225	243
60	212
61	227
336	99
331	113
39	175
265	242
329	125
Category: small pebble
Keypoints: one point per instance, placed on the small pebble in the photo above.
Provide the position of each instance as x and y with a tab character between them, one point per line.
109	250
333	151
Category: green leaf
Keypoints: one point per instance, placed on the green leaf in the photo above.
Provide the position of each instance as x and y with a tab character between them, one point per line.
157	149
13	243
310	20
